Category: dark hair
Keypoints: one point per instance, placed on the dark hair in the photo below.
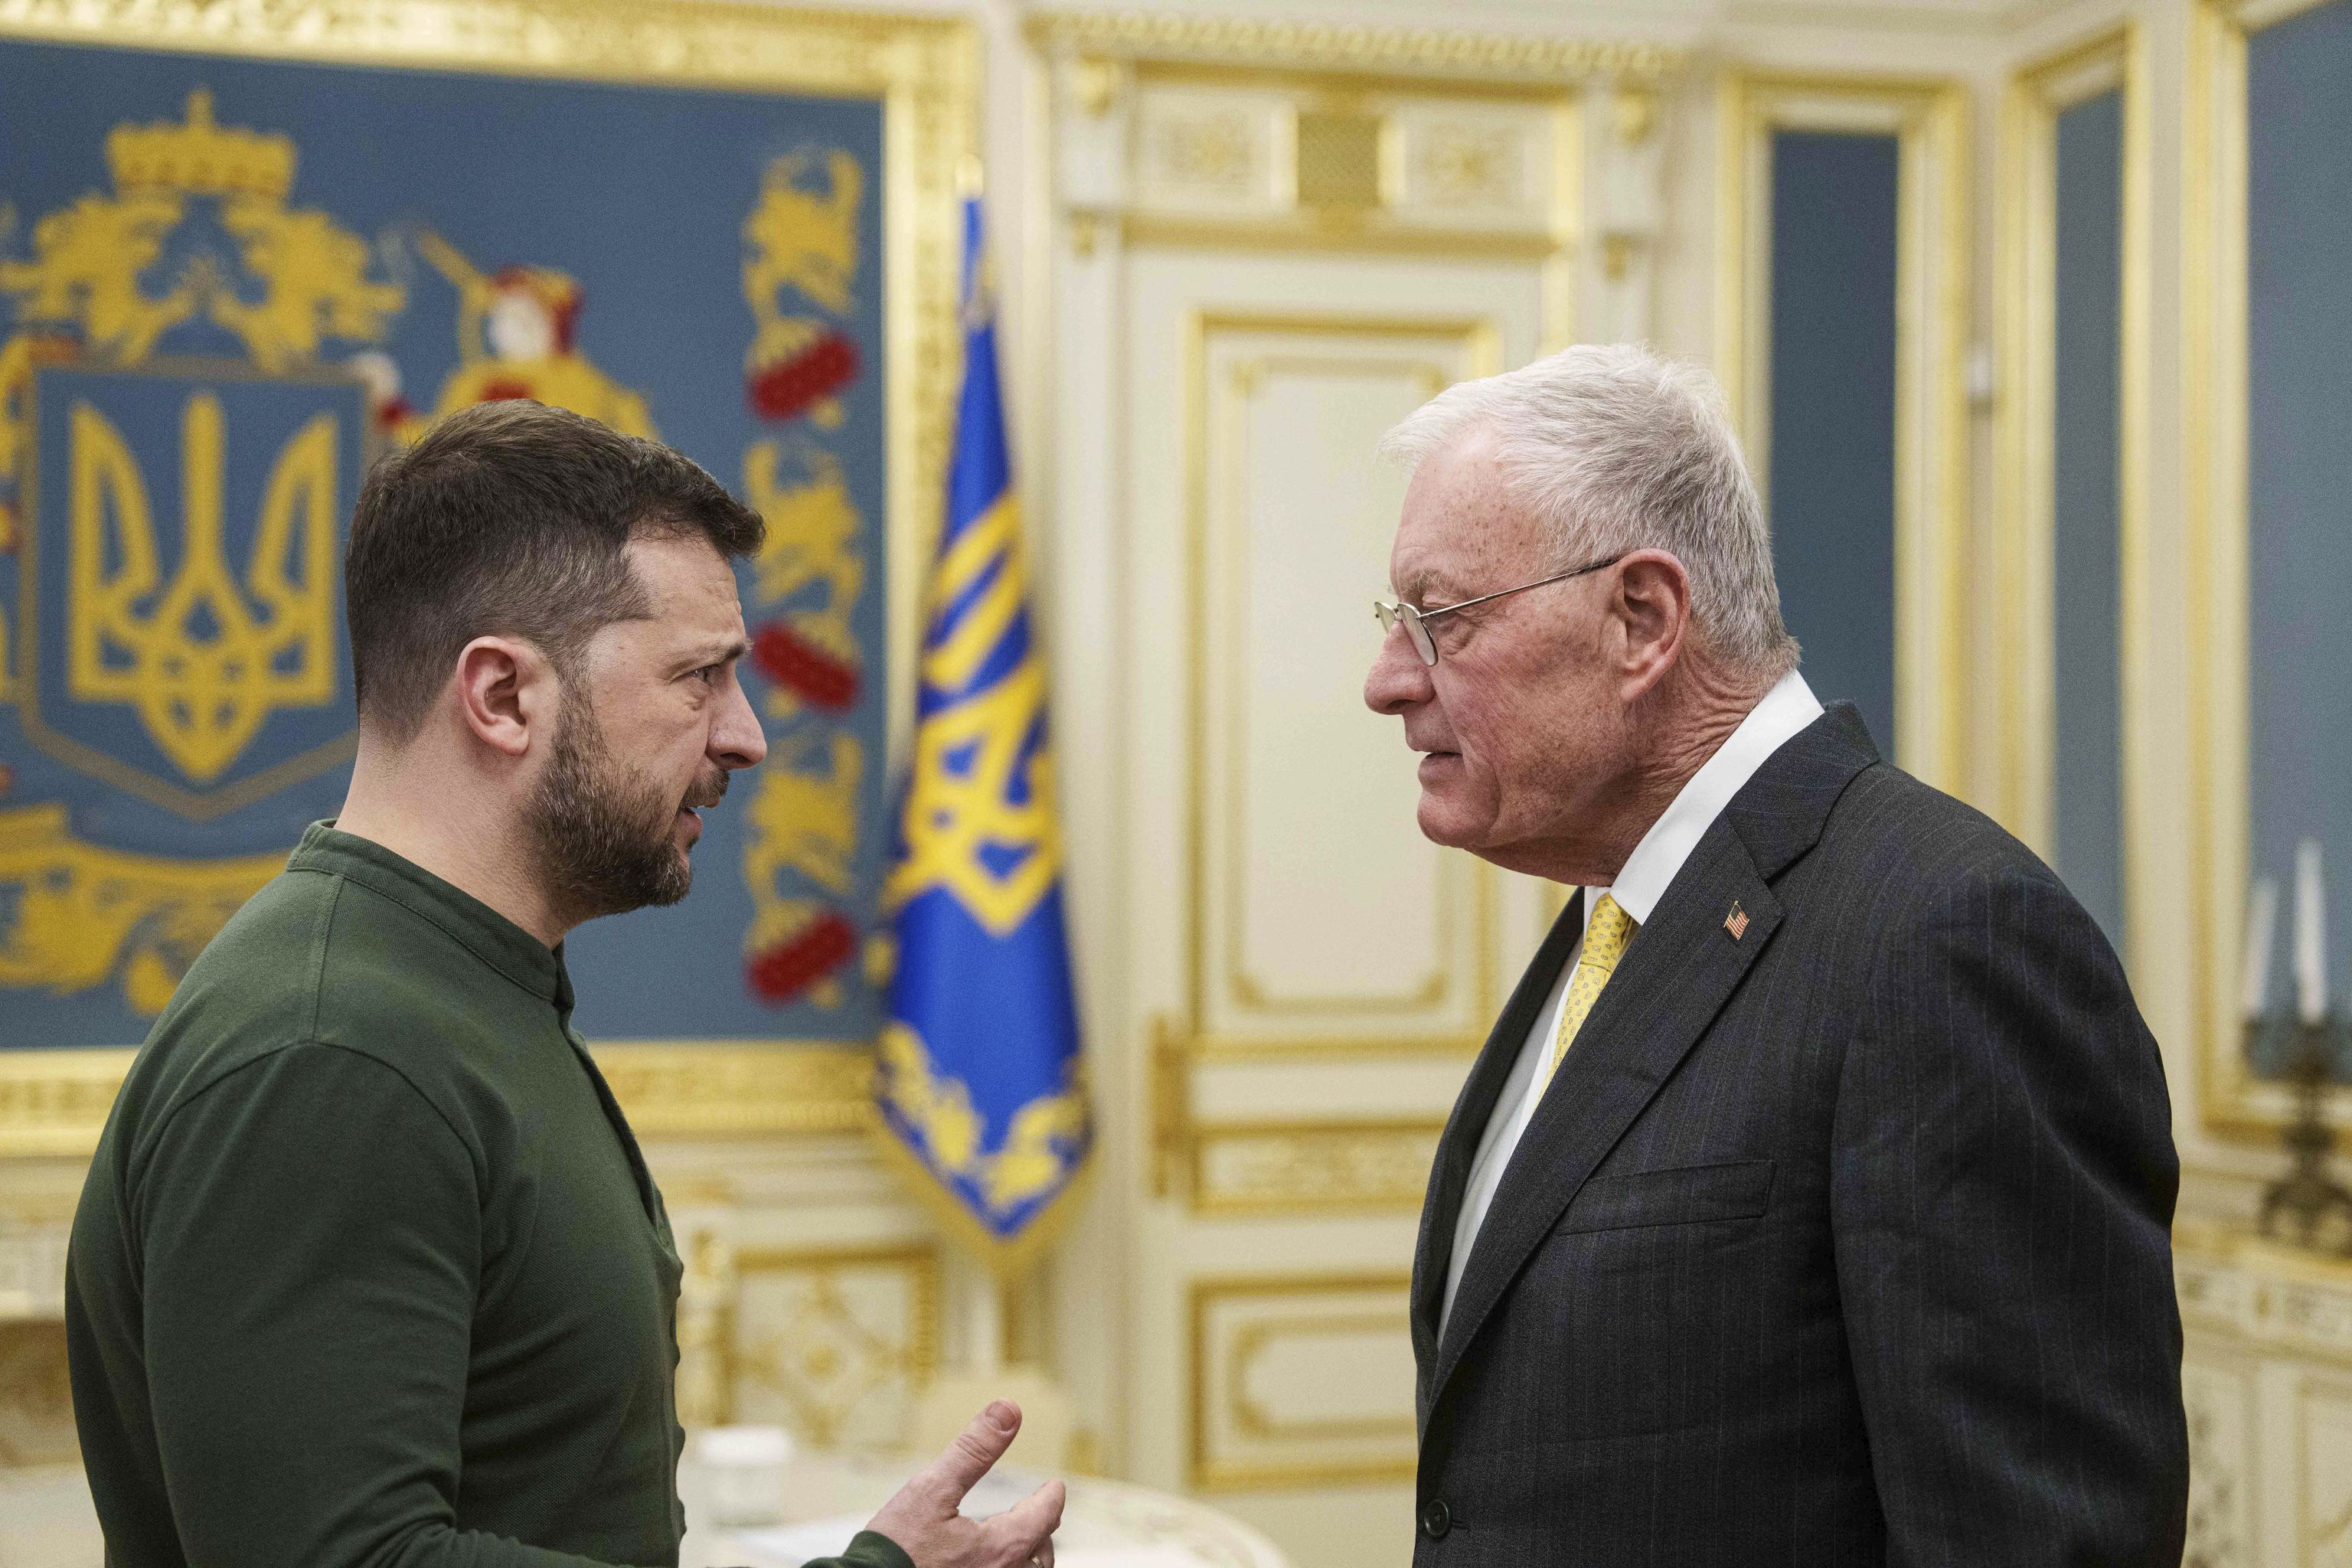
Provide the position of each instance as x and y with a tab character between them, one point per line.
510	517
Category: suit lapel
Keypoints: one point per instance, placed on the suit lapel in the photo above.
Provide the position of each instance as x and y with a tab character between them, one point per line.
1675	978
1457	1148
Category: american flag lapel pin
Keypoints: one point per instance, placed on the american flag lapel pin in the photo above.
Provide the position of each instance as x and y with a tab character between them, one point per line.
1736	922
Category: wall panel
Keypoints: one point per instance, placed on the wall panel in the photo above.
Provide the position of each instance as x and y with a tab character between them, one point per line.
2299	456
1831	489
1874	511
2071	575
2267	326
1284	538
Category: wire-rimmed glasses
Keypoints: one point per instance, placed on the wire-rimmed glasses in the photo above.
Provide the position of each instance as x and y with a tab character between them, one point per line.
1392	613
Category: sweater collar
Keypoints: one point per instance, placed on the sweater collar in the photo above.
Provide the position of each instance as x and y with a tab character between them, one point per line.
463	918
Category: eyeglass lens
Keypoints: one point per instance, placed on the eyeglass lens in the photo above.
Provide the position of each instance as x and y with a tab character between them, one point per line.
1415	631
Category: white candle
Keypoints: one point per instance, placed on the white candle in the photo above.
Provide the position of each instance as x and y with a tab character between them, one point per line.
2310	933
2262	926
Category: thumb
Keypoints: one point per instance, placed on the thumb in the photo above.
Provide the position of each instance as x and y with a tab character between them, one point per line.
1030	1522
974	1452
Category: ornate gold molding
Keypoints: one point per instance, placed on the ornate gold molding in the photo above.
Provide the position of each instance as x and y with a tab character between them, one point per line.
2215	392
827	1359
1221	982
1234	1321
1928	118
1378	1164
2026	289
1349	47
681	42
741	1086
2264	1294
56	1101
36	1426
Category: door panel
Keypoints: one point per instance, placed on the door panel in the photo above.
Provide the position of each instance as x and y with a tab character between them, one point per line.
1315	974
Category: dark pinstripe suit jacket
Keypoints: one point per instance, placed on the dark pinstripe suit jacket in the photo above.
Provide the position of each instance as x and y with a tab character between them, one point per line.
1844	1240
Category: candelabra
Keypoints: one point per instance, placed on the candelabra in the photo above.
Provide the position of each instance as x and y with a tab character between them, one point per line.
2307	1050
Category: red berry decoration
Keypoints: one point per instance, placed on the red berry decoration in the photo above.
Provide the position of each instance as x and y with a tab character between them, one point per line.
782	972
818	678
797	383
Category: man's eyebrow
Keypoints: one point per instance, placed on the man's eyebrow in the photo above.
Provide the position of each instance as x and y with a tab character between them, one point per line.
714	653
1418	587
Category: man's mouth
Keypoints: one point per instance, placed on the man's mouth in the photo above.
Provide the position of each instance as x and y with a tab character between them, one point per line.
692	807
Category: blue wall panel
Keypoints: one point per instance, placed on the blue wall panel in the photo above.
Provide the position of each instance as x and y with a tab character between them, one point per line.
428	192
2299	456
1833	412
2088	754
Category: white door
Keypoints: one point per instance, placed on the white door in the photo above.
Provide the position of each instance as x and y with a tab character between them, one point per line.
1255	278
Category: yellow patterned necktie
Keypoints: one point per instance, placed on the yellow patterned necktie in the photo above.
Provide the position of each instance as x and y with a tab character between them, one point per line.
1605	937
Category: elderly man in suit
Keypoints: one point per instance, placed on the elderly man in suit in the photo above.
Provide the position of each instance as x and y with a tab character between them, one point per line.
1810	1201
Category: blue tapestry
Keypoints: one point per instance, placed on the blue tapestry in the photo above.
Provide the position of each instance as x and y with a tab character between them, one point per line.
226	286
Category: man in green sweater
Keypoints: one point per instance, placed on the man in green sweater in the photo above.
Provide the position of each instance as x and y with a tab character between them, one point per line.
368	1272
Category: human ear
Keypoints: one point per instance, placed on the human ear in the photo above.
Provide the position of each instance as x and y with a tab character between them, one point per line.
1652	608
505	689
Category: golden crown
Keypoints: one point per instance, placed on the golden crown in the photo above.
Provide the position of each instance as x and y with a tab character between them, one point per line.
200	156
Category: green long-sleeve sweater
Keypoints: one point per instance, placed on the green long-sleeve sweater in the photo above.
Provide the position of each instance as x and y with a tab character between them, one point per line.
368	1270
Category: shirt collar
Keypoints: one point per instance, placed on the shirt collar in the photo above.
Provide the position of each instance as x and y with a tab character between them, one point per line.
464	918
1785	710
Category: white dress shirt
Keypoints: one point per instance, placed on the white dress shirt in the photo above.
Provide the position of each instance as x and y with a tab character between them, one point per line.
1787	709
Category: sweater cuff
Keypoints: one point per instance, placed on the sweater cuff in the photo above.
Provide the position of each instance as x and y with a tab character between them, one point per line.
871	1551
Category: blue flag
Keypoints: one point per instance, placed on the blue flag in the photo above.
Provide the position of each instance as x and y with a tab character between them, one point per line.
980	1081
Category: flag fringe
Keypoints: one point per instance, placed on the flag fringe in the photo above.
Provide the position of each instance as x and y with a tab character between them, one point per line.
1008	1259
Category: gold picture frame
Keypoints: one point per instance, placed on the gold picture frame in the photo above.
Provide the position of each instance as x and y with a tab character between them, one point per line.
2214	387
2113	61
923	70
1930	119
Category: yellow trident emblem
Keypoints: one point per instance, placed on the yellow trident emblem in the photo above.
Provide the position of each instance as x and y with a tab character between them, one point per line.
204	664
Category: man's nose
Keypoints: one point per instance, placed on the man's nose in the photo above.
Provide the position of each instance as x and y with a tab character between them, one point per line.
736	741
1398	679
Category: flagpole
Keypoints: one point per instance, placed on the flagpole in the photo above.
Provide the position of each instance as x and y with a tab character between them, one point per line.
986	1345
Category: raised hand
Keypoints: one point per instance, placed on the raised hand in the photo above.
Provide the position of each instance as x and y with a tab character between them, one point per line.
922	1518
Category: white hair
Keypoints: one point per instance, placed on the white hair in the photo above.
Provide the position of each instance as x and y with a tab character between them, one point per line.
1613	449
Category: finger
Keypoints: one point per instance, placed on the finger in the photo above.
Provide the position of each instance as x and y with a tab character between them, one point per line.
1028	1525
976	1448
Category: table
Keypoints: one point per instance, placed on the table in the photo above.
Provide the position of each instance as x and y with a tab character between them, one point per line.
46	1519
1108	1524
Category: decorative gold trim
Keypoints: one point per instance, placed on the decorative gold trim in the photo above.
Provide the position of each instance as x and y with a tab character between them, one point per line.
715	1087
1344	46
919	1359
924	72
1929	117
2214	391
2113	61
1329	229
1253	1418
1243	989
1361	1165
2261	1295
1480	343
56	1102
1007	1260
1210	1476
